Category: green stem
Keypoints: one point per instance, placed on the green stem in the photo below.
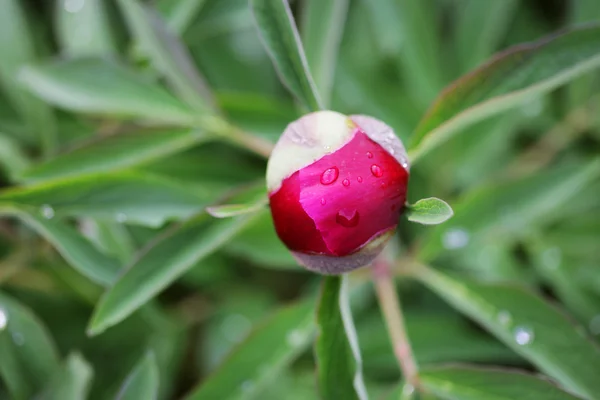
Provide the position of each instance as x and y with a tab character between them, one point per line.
394	320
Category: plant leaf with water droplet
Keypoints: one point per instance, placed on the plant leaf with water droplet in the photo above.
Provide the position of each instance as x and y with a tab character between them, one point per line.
509	209
256	362
336	367
279	34
527	324
124	196
29	356
476	383
86	32
509	79
75	248
103	87
430	211
115	152
142	382
322	29
167	54
161	264
71	382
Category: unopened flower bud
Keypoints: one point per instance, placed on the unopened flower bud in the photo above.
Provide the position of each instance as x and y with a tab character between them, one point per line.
337	186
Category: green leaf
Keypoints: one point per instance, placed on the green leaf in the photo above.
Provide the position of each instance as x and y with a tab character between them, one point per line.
75	248
509	209
103	87
72	382
248	201
528	325
335	362
510	79
29	356
124	196
322	29
258	360
470	383
161	264
167	53
14	53
430	211
280	37
84	28
180	14
116	152
12	158
142	382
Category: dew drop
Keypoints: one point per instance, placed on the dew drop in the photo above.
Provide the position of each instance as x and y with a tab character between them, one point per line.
323	201
347	218
595	325
376	171
346	182
523	335
504	318
121	218
295	338
359	179
18	338
455	238
327	148
3	319
369	154
329	176
47	211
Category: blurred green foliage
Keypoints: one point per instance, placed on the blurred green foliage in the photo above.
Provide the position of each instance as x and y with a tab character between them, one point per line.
122	120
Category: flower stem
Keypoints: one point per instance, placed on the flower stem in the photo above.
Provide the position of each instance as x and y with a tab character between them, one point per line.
394	320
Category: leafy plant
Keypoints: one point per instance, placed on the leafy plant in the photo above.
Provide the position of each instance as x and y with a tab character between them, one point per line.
137	255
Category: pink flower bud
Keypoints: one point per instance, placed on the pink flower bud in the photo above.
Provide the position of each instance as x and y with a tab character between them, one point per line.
337	186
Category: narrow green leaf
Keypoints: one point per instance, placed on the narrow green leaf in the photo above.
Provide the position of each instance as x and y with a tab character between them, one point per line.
167	53
249	200
280	37
257	361
528	325
142	382
115	153
29	356
84	28
72	382
508	80
335	362
430	211
322	28
12	158
103	87
180	14
471	383
124	196
509	209
15	53
75	248
161	264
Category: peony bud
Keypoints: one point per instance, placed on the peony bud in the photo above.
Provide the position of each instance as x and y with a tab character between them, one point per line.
337	186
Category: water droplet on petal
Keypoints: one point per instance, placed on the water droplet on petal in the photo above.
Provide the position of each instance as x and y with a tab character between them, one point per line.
47	211
327	148
121	218
504	318
369	154
383	185
523	335
3	319
455	238
359	179
18	338
295	338
347	217
376	171
595	325
323	201
329	176
346	182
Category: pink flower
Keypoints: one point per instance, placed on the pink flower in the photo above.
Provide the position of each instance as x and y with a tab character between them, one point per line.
337	186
